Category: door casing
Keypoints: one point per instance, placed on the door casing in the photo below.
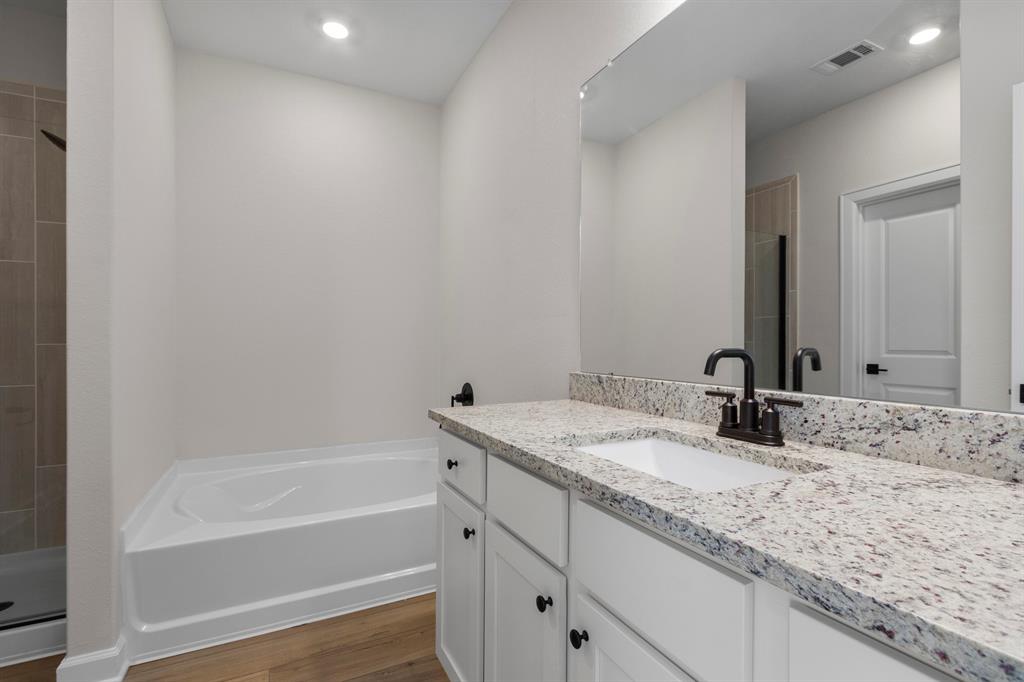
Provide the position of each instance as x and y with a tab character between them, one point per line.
851	267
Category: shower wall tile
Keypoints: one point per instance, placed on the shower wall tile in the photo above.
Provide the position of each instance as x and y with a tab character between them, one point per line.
51	113
766	278
51	283
33	393
780	210
17	447
51	94
763	211
51	506
17	324
50	177
16	126
766	351
52	419
16	106
748	304
17	210
16	88
17	531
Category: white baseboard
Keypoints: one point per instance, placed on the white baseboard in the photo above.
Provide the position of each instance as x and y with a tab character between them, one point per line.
105	665
446	665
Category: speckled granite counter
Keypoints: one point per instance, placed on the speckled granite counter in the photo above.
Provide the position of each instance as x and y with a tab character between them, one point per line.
930	560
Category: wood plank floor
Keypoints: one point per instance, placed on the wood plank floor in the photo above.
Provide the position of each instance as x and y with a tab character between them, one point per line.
390	643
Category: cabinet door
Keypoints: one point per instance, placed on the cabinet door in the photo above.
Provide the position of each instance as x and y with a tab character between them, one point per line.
460	586
821	650
525	613
610	652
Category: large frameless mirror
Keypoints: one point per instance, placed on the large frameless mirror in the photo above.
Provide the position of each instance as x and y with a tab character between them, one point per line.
787	175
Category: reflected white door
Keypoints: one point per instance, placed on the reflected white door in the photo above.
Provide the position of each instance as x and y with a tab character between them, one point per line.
911	293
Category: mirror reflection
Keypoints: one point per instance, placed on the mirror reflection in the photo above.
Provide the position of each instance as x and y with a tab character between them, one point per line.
796	179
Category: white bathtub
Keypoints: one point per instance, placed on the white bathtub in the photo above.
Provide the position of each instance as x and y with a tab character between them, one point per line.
230	547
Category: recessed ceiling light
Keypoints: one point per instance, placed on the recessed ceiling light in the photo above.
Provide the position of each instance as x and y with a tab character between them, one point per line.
335	30
925	35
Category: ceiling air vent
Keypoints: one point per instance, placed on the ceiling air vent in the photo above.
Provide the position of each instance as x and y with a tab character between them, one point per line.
848	56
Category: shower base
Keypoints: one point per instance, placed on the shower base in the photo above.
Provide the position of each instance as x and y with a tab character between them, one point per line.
33	626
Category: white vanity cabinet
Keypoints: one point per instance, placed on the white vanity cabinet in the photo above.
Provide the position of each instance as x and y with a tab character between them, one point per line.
603	649
695	612
540	585
525	613
460	589
821	650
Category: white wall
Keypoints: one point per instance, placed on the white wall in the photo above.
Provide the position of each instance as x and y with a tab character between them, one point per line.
905	129
671	270
598	340
992	35
308	236
121	292
510	188
32	47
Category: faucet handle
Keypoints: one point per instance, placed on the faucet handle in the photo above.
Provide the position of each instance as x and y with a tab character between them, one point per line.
770	417
729	419
783	401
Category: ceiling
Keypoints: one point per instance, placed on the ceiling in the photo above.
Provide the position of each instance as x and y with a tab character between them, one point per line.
770	45
410	48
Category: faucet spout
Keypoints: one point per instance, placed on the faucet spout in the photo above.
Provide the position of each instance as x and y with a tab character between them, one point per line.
798	365
748	367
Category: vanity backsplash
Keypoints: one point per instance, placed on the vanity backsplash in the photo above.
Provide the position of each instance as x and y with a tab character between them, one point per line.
989	444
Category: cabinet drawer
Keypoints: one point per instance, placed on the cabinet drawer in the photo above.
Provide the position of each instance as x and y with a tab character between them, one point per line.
463	465
532	508
460	586
699	615
821	650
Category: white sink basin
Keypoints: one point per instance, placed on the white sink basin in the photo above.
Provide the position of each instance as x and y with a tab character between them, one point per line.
686	465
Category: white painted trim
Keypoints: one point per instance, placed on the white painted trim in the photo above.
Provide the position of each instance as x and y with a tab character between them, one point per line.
105	665
30	642
1017	253
851	307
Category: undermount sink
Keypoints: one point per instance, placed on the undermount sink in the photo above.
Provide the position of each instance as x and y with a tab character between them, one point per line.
686	465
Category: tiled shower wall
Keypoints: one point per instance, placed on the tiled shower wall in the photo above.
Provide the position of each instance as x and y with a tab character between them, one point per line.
33	393
771	211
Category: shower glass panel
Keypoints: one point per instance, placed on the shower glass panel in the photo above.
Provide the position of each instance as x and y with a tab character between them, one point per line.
765	306
33	396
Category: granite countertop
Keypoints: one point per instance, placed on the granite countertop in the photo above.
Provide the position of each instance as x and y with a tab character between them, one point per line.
931	561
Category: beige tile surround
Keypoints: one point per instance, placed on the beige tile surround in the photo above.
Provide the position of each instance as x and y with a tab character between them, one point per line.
771	208
33	394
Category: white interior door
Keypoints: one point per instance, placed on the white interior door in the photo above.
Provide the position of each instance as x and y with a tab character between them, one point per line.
911	293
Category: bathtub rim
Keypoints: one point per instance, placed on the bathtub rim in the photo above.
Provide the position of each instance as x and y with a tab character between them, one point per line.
216	531
217	477
136	521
